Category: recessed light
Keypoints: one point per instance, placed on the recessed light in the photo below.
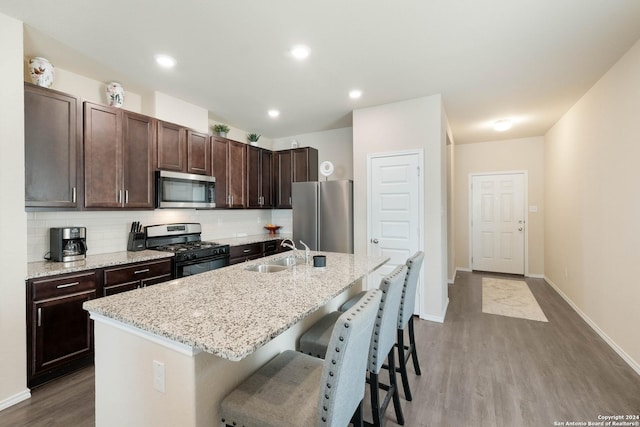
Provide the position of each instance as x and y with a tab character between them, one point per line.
300	51
355	94
165	61
502	125
273	113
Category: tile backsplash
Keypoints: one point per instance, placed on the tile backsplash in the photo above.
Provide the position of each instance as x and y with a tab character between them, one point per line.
107	231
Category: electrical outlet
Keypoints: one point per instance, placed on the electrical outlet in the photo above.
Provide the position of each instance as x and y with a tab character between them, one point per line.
158	376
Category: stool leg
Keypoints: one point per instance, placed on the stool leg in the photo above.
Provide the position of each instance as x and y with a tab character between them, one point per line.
357	419
375	399
412	348
402	365
394	387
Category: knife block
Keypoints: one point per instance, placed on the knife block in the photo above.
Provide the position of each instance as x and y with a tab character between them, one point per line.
136	242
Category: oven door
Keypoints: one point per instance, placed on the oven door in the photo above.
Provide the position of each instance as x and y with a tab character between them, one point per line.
189	268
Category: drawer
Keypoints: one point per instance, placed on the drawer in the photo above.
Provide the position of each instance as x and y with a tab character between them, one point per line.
238	260
245	250
67	284
271	246
136	272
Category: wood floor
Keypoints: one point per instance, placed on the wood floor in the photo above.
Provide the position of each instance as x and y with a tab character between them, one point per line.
477	370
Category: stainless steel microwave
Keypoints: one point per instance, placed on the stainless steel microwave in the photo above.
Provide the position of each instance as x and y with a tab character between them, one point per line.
182	190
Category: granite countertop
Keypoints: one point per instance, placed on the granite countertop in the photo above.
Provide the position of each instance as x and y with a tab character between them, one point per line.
231	312
256	238
50	268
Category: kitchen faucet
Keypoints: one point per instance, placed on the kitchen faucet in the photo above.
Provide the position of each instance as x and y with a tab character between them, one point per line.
291	246
307	252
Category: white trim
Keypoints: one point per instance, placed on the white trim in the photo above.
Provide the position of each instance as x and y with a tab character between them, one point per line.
536	276
525	197
455	273
420	153
634	365
432	318
185	349
15	399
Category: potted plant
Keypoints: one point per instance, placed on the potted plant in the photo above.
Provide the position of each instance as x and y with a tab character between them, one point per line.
253	138
221	130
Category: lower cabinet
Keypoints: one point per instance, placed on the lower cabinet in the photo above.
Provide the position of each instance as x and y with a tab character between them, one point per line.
121	279
251	251
59	331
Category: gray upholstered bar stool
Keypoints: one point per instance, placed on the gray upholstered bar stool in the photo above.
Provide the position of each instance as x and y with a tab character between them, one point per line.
295	389
405	318
316	342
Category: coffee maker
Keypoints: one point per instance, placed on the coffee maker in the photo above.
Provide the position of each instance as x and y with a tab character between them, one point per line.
68	244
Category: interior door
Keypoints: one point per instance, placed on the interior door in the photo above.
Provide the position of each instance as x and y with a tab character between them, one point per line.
394	210
498	223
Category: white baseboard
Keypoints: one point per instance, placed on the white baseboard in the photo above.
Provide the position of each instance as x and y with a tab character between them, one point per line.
436	318
536	276
634	365
455	273
16	398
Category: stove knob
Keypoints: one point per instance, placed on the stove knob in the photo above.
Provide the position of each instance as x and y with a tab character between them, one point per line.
216	251
192	256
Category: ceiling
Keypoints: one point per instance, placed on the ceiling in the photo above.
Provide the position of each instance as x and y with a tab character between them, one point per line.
528	60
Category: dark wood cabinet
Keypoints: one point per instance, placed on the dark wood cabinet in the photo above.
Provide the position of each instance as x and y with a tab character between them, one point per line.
296	165
171	147
59	331
251	251
133	276
259	178
229	160
118	158
53	149
198	153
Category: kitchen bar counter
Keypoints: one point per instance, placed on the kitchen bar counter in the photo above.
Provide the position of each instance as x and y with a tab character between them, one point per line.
168	354
230	312
92	262
255	238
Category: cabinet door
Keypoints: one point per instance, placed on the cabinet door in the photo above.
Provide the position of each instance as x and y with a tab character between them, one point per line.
53	149
254	193
198	153
103	156
219	149
266	178
305	164
237	174
283	178
62	330
138	144
171	147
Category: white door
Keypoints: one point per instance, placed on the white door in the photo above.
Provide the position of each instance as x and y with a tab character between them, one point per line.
498	223
394	210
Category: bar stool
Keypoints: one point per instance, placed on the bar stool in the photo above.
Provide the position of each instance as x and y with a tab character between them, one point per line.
405	317
315	342
296	389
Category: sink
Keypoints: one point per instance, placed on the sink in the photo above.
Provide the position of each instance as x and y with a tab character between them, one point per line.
266	268
287	262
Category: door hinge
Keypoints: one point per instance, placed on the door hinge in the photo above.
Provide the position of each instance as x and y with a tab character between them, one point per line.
418	168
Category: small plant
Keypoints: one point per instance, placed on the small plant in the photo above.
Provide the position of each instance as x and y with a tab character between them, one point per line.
253	137
220	128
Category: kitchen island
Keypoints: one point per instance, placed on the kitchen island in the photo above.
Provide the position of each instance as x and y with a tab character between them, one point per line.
168	354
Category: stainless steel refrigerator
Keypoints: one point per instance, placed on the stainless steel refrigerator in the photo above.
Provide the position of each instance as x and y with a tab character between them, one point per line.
323	215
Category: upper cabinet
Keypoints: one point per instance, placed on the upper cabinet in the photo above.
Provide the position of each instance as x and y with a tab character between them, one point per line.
118	158
229	159
259	177
53	149
296	165
183	150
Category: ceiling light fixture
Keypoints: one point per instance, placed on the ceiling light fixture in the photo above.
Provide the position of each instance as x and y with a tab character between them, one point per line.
165	61
502	125
300	51
273	113
355	94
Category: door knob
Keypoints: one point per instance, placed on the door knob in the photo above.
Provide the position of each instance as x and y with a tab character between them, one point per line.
374	241
519	228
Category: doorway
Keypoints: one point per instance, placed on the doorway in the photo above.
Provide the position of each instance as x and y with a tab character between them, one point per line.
395	211
498	222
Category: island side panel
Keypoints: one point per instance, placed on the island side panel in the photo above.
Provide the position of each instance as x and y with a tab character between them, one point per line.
194	385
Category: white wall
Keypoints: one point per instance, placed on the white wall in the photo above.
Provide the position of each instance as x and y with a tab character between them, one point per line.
13	223
592	199
414	124
334	145
524	154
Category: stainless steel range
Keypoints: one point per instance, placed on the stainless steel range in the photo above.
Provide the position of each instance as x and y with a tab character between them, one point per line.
192	255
